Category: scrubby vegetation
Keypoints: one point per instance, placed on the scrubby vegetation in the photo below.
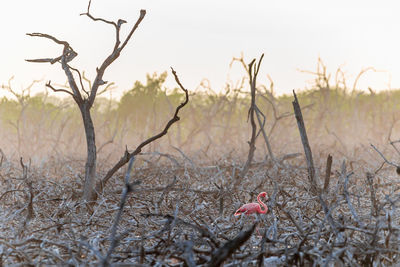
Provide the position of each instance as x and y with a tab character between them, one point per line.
181	213
66	199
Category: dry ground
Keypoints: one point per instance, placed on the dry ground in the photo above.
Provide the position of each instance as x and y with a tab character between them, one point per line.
182	214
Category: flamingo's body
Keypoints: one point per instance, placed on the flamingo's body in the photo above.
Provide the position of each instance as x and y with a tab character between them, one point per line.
251	208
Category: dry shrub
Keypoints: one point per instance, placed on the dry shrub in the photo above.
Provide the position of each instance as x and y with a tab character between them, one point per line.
182	212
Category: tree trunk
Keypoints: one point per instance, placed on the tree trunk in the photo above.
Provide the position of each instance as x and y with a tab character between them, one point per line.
90	167
85	104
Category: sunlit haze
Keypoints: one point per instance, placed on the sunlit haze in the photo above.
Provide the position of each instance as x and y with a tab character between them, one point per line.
199	39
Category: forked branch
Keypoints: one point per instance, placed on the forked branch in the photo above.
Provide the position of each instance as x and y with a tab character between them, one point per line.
384	158
98	81
69	54
48	84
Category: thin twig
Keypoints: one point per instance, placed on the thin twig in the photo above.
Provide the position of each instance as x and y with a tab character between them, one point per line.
380	153
127	189
346	177
261	124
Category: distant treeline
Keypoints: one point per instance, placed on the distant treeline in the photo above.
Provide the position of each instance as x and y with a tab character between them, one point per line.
213	125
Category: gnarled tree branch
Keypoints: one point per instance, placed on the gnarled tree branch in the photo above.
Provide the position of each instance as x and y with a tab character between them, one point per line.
128	155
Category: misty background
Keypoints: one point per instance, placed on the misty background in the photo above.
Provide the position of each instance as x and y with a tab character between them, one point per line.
199	40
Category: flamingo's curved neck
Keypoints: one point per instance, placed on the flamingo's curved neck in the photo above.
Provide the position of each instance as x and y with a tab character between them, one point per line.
262	204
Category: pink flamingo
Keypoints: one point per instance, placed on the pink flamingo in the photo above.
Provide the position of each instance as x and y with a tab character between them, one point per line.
251	208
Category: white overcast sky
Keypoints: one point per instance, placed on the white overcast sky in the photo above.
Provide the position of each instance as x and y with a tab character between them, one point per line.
199	39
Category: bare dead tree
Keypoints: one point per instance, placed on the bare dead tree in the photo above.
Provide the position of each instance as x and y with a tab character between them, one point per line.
359	76
83	97
257	111
322	77
22	98
253	69
306	144
340	79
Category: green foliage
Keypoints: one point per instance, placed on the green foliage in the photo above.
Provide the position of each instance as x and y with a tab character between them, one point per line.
9	110
148	104
217	120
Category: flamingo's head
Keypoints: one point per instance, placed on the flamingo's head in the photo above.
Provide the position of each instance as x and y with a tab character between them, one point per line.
264	195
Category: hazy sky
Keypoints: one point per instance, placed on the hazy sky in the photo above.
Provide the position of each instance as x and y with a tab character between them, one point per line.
199	39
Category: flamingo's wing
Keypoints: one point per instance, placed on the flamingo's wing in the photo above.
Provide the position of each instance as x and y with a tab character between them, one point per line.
241	210
248	208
